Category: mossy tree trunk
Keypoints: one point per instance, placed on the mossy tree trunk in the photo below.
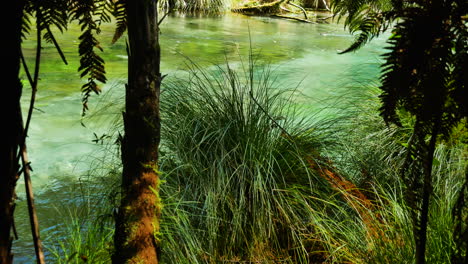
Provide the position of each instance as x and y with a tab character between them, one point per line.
11	124
137	221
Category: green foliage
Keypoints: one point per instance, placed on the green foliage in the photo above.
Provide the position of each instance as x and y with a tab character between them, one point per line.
369	26
371	154
89	14
367	18
91	64
48	13
236	155
370	151
239	189
103	13
79	241
83	212
120	14
26	25
418	73
424	75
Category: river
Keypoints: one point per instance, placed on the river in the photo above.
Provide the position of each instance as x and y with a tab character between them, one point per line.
61	149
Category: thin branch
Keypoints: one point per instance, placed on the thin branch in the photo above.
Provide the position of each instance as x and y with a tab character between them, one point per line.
26	69
57	46
301	8
31	208
39	110
285	9
13	226
294	18
35	80
325	18
164	16
23	154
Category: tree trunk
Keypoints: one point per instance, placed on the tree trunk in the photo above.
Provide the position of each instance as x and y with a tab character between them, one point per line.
421	235
137	221
11	123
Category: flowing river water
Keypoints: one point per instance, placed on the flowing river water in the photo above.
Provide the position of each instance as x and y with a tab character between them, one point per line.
61	149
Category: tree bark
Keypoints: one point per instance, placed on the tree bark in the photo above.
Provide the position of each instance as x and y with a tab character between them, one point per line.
11	132
137	220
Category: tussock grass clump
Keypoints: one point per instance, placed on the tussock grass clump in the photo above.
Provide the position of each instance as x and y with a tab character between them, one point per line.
371	156
237	149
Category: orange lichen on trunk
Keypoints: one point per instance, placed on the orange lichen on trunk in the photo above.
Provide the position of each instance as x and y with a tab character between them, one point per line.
143	238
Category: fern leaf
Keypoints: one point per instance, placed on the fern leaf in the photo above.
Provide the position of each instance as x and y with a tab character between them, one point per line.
53	13
369	26
103	11
91	64
120	14
26	25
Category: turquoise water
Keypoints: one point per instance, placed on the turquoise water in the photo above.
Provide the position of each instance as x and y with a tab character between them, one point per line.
303	55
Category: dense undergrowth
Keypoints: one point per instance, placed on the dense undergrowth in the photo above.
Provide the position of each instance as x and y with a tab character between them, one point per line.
248	178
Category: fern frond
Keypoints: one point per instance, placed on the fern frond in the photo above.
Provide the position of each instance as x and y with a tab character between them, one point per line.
48	13
120	14
459	89
369	27
26	25
91	64
368	18
53	13
103	11
425	74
